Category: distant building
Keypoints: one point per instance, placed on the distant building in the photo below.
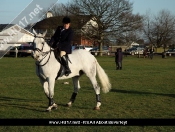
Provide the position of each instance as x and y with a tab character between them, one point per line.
49	14
134	44
13	35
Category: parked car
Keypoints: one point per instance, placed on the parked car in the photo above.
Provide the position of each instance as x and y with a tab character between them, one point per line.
105	50
131	51
139	50
79	47
23	50
88	48
170	52
135	50
82	47
73	47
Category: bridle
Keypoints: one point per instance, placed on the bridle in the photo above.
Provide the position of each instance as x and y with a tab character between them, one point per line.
37	49
43	53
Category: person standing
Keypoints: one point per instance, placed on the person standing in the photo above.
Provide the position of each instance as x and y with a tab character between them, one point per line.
118	58
151	51
16	52
145	53
61	41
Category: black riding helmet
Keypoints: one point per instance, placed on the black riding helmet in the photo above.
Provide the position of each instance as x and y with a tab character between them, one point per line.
66	20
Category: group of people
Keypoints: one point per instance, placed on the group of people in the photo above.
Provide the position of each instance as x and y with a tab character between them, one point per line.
151	52
119	56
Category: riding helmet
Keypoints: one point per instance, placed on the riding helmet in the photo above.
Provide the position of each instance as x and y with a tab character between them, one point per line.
66	20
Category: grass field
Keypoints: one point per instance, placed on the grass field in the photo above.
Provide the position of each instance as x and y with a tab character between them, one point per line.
145	88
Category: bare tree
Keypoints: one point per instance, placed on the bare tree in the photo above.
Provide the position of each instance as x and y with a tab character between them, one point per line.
160	29
57	10
131	29
112	17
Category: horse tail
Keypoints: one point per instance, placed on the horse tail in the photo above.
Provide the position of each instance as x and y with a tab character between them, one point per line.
106	85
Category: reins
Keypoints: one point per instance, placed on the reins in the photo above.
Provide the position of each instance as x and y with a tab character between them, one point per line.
38	64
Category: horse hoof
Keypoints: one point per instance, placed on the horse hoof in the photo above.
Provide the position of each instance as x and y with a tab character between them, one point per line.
48	110
55	106
68	105
96	108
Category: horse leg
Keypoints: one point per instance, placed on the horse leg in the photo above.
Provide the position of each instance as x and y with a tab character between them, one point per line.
76	84
97	91
46	91
49	91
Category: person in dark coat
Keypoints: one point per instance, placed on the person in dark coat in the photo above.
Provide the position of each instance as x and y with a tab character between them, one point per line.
118	58
61	40
151	52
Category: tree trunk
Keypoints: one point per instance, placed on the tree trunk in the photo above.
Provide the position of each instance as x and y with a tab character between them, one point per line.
101	45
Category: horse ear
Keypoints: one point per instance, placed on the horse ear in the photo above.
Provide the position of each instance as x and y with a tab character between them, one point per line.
44	33
34	32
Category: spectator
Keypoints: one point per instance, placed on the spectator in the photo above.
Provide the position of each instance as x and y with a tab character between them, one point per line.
145	54
16	52
151	52
118	58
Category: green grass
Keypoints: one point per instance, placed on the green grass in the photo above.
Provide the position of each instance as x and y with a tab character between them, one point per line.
145	88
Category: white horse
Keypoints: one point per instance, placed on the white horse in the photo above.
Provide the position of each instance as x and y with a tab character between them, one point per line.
82	62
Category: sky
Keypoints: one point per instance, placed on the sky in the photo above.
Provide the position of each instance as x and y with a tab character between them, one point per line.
10	9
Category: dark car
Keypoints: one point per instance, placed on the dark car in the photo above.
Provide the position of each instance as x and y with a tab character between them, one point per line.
79	47
131	51
105	50
23	50
73	47
170	52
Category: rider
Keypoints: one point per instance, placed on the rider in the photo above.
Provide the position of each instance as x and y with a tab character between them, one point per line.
62	40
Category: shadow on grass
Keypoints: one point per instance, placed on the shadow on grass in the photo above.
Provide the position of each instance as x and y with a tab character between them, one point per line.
27	104
20	103
138	92
11	99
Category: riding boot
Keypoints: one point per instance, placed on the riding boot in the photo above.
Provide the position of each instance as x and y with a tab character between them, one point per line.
56	53
64	60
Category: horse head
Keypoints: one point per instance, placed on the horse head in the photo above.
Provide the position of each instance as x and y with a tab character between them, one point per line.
38	44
